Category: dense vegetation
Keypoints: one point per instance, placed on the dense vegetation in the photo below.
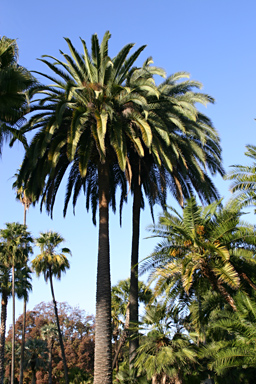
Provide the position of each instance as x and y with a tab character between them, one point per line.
106	123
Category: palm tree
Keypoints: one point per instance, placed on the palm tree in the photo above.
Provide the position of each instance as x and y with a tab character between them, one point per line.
191	146
86	119
15	80
51	263
237	349
200	246
22	196
22	286
35	355
163	353
49	333
16	242
244	181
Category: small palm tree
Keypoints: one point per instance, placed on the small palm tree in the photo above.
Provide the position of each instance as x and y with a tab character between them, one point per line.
199	248
163	354
51	264
49	332
16	247
35	356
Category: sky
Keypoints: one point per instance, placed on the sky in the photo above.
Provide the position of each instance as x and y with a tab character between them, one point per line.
213	40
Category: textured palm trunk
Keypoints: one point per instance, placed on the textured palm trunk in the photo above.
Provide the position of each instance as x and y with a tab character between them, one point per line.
50	345
103	355
13	325
134	305
24	313
23	342
33	369
59	331
4	302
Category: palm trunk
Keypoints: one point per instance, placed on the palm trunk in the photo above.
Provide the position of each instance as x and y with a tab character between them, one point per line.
33	369
59	331
23	342
103	355
13	325
26	205
2	336
50	362
134	305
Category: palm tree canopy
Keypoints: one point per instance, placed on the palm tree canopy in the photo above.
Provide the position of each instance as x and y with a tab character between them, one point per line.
200	244
49	261
15	81
101	109
15	243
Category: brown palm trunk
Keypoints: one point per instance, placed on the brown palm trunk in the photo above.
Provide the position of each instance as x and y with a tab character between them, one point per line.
23	342
103	355
26	205
134	305
13	325
50	345
2	336
59	330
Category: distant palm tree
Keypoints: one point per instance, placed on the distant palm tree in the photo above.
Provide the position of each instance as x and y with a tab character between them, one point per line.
16	247
51	264
22	286
6	291
49	332
26	201
35	356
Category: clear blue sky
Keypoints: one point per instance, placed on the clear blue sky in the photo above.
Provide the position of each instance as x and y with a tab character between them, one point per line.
213	40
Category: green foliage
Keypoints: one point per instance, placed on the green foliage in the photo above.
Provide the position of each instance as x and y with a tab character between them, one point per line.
244	181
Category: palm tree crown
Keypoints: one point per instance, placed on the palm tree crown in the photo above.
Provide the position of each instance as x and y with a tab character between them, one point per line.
49	262
202	245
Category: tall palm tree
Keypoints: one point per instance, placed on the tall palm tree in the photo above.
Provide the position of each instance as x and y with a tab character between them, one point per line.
244	181
51	264
26	201
86	118
200	246
178	164
22	286
15	80
16	243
